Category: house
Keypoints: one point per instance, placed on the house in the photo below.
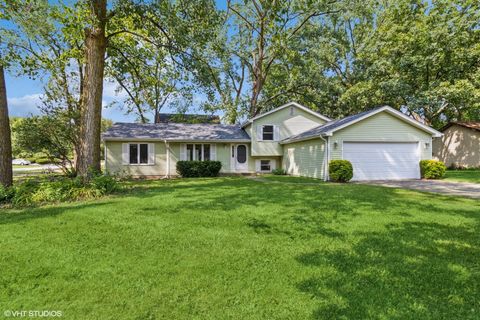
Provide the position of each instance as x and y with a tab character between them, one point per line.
460	145
382	143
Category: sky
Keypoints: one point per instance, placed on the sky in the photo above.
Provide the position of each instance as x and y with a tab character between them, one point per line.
24	95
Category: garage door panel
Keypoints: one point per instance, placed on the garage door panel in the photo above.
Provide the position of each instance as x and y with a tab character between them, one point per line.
379	161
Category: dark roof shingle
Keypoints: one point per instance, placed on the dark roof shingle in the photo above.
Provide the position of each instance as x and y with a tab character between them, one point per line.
175	131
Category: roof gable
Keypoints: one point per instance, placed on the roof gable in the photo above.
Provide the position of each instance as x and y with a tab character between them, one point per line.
290	104
330	127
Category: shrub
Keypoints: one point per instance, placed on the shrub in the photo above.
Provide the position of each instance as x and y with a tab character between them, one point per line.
43	161
191	169
6	193
340	170
279	172
432	169
59	189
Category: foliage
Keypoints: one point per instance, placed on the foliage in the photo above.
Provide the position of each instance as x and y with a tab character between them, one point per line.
340	170
421	57
50	135
58	189
6	193
432	169
279	172
306	244
191	169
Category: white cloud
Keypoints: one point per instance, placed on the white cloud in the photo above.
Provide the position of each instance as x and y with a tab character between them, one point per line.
25	106
111	91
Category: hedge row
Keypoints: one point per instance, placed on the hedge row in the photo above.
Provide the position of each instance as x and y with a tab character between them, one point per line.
194	169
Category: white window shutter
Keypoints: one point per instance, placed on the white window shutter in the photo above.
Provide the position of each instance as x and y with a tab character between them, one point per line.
259	133
183	152
276	133
273	164
257	166
125	157
151	153
213	152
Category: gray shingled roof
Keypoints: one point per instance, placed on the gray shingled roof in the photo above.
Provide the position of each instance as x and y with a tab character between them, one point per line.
175	131
326	127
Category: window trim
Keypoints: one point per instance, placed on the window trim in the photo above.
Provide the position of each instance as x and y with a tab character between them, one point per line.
202	151
269	165
138	155
273	132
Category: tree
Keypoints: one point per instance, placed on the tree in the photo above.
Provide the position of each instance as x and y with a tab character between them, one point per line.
419	57
91	101
6	176
45	43
155	57
268	29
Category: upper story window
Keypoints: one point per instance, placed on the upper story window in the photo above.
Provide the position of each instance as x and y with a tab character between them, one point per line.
267	132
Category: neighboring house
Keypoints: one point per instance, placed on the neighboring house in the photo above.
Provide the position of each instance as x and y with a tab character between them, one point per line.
460	145
382	143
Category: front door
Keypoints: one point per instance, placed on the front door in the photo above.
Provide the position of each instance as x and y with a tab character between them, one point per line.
241	158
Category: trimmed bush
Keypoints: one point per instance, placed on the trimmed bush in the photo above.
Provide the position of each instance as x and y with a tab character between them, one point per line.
279	172
432	169
340	170
194	169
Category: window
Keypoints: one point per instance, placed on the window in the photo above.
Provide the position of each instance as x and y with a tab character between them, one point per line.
265	165
241	153
206	152
267	132
138	153
199	152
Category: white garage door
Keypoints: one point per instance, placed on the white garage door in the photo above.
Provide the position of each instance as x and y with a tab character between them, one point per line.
383	161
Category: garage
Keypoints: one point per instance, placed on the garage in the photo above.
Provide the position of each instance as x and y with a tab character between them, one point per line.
383	160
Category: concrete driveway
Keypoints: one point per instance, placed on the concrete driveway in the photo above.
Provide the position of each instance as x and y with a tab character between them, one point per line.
463	189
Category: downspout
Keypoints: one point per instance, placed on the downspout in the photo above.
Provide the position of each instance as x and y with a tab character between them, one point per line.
167	149
327	156
105	156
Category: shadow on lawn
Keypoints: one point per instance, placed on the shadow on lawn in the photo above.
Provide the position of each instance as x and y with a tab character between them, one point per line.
19	215
304	210
412	271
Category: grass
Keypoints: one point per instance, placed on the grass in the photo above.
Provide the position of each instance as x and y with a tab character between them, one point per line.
290	179
463	175
236	248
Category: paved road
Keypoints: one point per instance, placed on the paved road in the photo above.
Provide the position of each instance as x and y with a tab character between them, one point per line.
464	189
36	167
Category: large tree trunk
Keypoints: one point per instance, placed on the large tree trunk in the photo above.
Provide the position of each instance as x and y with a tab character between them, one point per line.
5	136
91	110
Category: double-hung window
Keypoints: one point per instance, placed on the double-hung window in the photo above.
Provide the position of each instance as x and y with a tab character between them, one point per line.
267	132
199	152
138	153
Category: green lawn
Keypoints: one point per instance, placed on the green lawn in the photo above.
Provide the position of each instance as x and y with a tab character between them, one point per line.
463	175
235	248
